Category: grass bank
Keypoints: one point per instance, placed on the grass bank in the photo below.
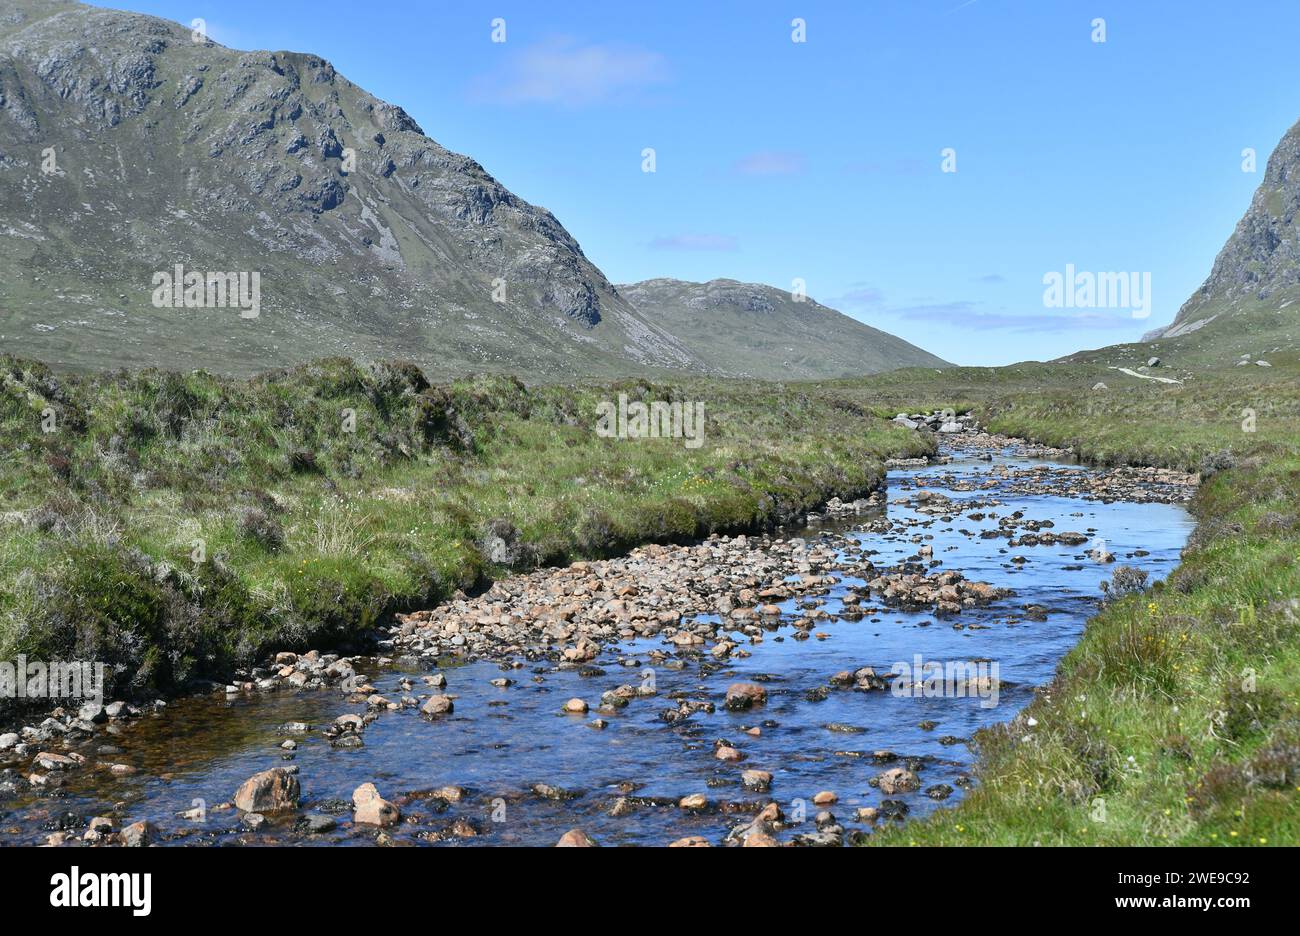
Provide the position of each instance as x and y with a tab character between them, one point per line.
1176	719
176	526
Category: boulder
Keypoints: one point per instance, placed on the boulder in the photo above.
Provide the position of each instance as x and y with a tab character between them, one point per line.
139	834
742	696
47	760
100	828
373	809
438	705
271	791
898	780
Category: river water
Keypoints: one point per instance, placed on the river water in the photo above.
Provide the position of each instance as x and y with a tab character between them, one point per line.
501	741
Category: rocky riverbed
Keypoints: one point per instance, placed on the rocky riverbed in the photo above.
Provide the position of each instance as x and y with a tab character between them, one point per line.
743	690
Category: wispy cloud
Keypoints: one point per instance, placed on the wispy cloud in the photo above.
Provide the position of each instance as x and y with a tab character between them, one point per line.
567	72
694	242
860	296
991	278
771	163
967	315
868	301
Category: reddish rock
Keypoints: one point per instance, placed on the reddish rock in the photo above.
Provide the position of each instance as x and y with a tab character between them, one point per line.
575	838
741	696
270	791
373	809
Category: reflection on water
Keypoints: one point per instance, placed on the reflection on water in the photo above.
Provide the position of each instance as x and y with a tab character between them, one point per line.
501	741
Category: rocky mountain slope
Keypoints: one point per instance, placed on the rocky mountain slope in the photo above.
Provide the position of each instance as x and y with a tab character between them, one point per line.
752	330
127	147
1247	312
1253	290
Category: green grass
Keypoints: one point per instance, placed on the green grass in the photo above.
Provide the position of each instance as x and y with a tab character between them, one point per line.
1176	719
307	534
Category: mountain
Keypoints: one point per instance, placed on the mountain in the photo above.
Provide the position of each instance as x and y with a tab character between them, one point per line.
135	156
369	238
1251	299
752	330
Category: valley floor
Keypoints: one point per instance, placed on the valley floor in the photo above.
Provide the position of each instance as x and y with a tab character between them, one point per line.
180	527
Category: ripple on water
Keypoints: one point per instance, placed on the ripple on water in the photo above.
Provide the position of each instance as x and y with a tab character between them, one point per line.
502	741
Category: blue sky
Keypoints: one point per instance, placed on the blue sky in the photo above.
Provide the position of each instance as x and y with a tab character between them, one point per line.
821	160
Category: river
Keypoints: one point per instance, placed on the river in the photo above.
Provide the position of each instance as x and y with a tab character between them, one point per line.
618	775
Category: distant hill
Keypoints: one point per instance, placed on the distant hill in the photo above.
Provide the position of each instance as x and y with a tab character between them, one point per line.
752	330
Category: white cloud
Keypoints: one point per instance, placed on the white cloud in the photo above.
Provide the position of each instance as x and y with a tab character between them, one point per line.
564	71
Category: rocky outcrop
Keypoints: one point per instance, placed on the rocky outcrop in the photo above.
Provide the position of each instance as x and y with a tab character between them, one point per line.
1258	268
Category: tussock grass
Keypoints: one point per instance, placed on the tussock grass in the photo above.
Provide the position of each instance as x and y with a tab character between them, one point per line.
324	498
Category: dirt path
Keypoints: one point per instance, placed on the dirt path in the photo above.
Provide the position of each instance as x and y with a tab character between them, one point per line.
1133	373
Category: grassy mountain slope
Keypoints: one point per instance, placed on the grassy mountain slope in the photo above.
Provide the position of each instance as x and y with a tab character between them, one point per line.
752	330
